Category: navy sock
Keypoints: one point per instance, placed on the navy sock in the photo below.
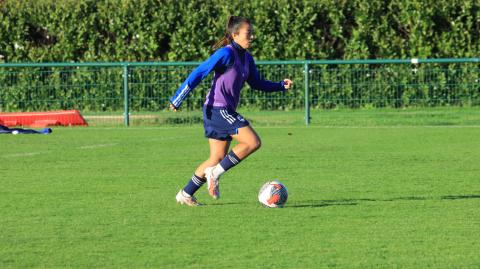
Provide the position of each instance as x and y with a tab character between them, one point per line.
230	161
194	184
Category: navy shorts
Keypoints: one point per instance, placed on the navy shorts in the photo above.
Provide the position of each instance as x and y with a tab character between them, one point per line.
221	123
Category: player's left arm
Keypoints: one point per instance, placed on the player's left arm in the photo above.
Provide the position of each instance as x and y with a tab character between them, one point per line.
257	83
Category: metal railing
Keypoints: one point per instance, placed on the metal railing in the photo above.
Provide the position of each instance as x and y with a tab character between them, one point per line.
141	87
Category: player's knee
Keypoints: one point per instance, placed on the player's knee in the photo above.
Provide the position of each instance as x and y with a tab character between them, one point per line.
255	144
258	143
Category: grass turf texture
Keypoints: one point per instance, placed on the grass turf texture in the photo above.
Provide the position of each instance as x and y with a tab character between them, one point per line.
381	196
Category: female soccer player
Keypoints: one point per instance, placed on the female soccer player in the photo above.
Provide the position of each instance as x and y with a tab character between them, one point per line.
233	66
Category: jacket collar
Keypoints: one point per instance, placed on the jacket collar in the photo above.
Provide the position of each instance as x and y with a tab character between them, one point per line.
238	47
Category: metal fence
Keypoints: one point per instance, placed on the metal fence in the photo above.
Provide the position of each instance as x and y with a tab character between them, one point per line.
123	92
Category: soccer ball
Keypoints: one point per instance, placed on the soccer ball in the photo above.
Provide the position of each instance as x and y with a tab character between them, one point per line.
273	194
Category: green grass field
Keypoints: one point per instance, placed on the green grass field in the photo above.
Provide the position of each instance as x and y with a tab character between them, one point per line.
389	194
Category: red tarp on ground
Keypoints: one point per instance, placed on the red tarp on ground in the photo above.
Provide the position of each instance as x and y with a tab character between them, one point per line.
43	119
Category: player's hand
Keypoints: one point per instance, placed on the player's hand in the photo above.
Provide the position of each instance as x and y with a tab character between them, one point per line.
287	84
172	108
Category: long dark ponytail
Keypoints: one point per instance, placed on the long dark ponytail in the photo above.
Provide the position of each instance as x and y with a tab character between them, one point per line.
233	25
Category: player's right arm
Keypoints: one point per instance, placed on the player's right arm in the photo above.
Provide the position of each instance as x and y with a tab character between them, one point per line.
220	60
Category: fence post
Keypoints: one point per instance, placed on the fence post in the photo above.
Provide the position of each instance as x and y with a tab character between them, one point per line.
126	115
306	72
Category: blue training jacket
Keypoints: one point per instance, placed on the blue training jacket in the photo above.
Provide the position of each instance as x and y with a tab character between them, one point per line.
220	61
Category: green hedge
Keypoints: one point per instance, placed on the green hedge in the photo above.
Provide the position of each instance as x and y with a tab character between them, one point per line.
184	30
164	30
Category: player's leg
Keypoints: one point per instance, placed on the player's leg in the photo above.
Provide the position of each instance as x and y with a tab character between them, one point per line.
218	149
248	142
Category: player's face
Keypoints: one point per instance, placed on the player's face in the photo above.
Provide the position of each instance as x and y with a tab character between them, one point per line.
244	37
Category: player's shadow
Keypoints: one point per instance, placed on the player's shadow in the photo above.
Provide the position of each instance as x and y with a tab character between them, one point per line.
352	202
457	197
319	203
356	201
323	203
